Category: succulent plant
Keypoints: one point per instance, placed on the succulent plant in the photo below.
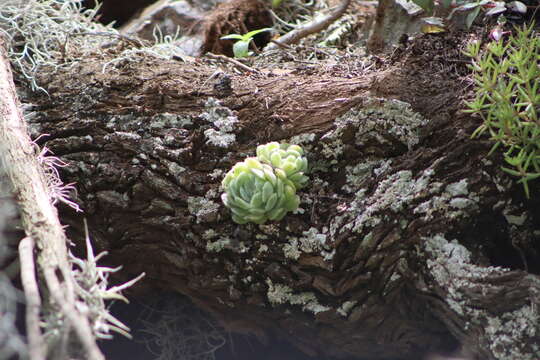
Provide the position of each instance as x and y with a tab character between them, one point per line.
287	160
264	188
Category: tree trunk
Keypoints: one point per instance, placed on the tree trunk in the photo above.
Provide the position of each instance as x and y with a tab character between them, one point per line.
410	239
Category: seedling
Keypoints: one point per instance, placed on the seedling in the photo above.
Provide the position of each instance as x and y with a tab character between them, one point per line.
241	46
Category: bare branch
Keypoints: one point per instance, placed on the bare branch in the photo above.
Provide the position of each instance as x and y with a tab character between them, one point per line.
33	301
315	26
232	61
39	216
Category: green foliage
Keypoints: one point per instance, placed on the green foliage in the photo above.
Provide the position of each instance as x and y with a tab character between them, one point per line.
264	188
287	160
507	77
241	46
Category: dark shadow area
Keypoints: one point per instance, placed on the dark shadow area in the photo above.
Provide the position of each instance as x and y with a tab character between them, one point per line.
119	11
494	242
170	326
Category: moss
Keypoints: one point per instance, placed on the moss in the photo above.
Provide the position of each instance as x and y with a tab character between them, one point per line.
306	140
168	120
218	245
363	171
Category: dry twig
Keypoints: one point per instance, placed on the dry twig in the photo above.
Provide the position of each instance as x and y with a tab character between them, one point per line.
312	27
236	63
33	300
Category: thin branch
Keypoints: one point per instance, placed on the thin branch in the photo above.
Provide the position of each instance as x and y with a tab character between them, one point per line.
312	27
39	216
36	345
232	61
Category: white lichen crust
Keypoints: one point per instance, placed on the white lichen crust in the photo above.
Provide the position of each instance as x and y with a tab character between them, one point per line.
511	335
283	294
223	121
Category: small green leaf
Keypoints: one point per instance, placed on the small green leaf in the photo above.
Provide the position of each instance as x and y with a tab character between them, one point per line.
232	37
267	191
241	48
256	200
471	17
272	200
248	36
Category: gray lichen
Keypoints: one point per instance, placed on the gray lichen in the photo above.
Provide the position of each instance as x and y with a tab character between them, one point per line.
346	308
393	193
454	201
282	294
290	250
511	335
362	171
203	209
312	242
218	245
382	122
223	121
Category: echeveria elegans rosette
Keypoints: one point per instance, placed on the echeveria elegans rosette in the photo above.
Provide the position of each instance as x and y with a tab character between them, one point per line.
255	194
287	160
264	188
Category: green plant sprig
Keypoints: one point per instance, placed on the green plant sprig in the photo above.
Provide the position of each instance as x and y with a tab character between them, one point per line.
241	46
507	79
264	188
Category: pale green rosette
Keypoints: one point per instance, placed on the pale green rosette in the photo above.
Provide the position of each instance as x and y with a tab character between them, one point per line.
255	194
287	160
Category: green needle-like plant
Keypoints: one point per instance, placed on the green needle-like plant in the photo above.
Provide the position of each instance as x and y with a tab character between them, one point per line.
264	188
241	46
507	77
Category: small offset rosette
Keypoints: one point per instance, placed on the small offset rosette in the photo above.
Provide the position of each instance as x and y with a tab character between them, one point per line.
257	192
288	162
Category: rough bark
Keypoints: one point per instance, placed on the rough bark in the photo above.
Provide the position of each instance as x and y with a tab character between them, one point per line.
403	225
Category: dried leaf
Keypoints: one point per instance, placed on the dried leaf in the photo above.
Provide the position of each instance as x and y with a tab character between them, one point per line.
432	29
517	6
